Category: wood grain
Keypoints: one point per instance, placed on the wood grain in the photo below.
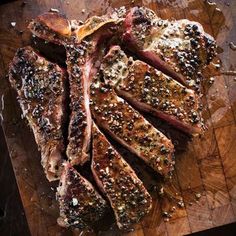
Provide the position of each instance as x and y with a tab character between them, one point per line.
12	217
205	176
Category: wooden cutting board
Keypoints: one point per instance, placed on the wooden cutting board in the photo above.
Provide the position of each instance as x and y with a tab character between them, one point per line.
202	193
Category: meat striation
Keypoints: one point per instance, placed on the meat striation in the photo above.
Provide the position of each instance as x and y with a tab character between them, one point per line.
179	48
81	206
130	128
80	50
149	90
128	197
41	94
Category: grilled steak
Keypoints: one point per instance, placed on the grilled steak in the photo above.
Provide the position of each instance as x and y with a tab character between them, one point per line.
179	48
41	94
150	90
128	197
129	127
81	206
52	27
79	133
79	63
56	28
101	85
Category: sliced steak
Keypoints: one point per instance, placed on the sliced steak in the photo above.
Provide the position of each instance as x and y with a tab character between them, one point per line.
52	27
41	94
128	197
56	28
80	60
179	48
129	127
80	49
79	133
149	90
81	206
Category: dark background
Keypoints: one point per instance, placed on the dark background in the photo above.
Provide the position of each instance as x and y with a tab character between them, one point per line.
12	218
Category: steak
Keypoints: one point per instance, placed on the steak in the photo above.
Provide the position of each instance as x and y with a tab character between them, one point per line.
149	90
80	52
106	88
129	128
56	28
80	120
52	27
81	206
40	88
179	48
128	197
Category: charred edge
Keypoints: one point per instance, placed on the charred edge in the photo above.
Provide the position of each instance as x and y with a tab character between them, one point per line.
39	28
109	218
66	107
129	158
83	220
159	123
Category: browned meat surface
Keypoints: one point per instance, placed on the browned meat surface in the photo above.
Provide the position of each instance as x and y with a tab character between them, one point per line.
41	94
130	128
52	27
128	197
150	90
79	133
106	86
179	48
81	206
56	28
80	60
80	52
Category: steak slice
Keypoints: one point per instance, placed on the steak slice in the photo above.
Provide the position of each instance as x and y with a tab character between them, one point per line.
81	206
79	133
80	60
129	127
179	48
52	27
41	94
80	49
149	90
56	28
128	197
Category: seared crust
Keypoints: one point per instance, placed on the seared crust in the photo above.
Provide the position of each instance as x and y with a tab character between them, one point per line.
81	206
56	28
129	128
79	133
179	48
128	197
80	60
150	90
41	94
52	27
